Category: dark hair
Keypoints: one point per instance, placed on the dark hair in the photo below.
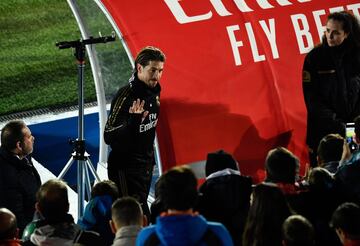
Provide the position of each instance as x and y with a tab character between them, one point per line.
12	133
298	231
147	54
330	148
350	25
347	218
126	211
281	166
8	225
266	215
320	179
105	187
53	199
219	160
177	188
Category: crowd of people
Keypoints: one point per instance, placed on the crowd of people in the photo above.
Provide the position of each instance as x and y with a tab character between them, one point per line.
318	208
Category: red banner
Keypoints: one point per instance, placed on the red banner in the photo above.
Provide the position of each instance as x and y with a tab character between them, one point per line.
232	78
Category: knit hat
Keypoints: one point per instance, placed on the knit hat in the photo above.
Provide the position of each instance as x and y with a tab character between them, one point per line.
219	160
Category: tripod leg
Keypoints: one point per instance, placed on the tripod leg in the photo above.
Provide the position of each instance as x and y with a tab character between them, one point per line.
87	182
80	187
92	169
66	168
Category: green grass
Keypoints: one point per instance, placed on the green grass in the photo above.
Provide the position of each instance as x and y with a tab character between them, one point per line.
34	73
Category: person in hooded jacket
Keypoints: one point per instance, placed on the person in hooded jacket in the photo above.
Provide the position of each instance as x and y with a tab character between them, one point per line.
225	195
180	224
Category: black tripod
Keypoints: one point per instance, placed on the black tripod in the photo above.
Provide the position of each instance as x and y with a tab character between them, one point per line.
80	154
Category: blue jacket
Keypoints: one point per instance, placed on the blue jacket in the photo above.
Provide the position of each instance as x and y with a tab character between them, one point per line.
182	230
96	217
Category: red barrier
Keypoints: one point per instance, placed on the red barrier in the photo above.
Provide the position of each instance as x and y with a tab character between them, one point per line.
232	79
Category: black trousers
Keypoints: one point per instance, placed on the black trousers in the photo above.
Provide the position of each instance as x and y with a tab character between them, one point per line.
132	180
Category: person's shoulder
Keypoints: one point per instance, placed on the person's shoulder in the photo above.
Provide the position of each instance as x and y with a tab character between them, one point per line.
85	237
144	234
316	51
221	232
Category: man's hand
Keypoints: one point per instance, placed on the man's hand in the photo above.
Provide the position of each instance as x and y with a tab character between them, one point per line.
346	155
138	108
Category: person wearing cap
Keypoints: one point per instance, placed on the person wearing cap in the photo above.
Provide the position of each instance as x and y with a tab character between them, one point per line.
225	195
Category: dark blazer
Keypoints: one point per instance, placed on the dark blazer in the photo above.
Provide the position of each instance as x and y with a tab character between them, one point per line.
19	182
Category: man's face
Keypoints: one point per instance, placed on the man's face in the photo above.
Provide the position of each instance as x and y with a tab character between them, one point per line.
27	143
334	33
151	73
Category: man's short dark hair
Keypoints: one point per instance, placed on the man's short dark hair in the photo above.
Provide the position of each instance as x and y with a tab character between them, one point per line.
281	166
52	198
347	218
330	148
105	187
147	54
126	211
177	189
298	231
12	133
8	225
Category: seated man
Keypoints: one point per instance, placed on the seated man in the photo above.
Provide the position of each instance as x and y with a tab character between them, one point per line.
8	228
180	225
346	222
56	227
127	219
225	195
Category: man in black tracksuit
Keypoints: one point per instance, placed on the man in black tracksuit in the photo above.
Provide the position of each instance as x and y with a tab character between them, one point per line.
130	129
331	80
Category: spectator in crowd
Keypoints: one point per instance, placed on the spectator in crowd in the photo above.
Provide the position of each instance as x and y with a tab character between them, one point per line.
330	151
19	180
97	212
56	227
324	198
127	219
9	231
282	169
331	80
267	213
346	222
348	175
298	231
180	225
225	195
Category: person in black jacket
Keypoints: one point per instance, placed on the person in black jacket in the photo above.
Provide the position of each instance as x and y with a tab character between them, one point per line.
225	195
130	129
331	80
19	180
